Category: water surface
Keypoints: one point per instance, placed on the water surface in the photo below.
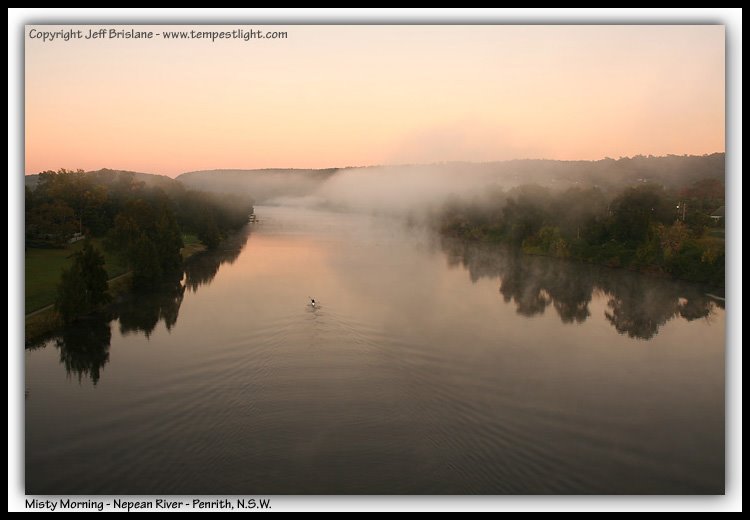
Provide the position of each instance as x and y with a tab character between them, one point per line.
430	366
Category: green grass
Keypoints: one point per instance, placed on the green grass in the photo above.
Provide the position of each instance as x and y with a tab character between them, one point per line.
43	271
40	325
189	239
191	245
45	266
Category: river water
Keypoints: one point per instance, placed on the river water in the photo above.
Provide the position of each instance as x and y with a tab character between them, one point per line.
429	366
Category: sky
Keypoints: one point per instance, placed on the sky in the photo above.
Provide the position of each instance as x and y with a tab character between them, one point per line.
335	96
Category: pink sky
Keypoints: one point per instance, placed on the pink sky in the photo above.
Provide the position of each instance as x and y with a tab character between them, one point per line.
359	95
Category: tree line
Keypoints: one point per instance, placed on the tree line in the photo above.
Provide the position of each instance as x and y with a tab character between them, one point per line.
643	227
142	224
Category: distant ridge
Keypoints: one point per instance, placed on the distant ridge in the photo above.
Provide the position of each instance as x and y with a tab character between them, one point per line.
672	171
149	179
263	184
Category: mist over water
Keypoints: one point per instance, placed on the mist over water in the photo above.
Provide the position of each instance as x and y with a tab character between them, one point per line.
429	366
400	190
420	191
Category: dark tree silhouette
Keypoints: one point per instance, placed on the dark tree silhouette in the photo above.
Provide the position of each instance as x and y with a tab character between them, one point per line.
84	285
638	306
84	347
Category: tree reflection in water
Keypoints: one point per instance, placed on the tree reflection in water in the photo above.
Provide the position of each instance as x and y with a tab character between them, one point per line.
143	312
84	345
202	268
637	305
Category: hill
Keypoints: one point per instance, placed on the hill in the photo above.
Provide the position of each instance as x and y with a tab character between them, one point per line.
672	171
108	176
261	184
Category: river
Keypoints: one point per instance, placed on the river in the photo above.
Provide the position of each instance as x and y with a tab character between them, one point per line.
429	366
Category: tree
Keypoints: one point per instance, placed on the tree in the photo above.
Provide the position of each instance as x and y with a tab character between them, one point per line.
524	215
147	234
208	233
50	223
635	210
577	211
83	287
168	241
144	260
672	238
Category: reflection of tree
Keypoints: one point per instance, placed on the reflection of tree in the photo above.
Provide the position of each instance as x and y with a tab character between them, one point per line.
533	283
84	347
84	344
640	311
144	312
638	305
202	268
523	284
694	308
571	294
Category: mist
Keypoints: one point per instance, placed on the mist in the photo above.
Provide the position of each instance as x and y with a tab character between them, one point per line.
399	190
417	191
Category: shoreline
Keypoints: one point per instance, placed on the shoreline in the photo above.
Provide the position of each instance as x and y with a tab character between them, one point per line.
42	322
649	270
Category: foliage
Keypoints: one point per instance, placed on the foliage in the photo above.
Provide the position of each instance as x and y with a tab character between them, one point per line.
83	287
643	227
548	241
147	234
635	210
142	219
44	267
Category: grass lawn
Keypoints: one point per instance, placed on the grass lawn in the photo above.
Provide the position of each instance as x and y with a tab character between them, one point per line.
44	268
191	245
189	239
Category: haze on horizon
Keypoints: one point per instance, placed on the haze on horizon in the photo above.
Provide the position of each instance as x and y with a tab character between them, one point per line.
335	96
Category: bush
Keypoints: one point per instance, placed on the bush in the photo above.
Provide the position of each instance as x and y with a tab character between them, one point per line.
694	263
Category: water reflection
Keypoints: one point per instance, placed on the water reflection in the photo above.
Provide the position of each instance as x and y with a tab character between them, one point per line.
84	345
201	269
637	305
84	348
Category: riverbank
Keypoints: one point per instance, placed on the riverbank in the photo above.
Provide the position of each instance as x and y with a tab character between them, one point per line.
698	260
43	274
44	266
